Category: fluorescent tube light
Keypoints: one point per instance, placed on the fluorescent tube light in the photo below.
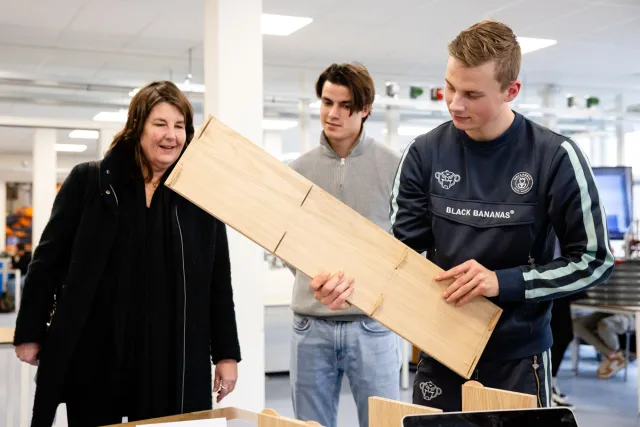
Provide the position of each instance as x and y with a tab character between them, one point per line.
277	124
281	25
84	134
529	44
111	116
71	148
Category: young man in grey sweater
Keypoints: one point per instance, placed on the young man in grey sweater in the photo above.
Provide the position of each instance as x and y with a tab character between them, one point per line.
327	344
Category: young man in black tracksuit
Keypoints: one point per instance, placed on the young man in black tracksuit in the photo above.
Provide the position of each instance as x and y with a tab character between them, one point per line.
484	196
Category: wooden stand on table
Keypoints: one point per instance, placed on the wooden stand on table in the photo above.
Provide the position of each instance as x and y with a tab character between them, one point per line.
246	188
227	413
389	413
270	418
476	397
267	418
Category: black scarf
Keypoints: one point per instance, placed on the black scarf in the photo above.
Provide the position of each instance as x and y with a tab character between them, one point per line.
145	332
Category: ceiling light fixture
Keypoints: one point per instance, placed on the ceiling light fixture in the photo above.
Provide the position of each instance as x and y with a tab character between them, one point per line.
281	25
71	148
529	44
84	134
119	116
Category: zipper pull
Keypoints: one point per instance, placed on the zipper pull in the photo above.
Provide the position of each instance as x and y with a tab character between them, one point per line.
535	362
341	162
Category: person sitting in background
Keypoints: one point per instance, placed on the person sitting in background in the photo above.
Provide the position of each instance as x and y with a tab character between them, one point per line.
135	282
602	331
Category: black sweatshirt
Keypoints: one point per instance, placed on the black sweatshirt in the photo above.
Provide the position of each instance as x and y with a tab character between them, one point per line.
502	203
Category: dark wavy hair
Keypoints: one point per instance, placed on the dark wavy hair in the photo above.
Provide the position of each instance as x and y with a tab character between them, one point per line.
139	109
354	76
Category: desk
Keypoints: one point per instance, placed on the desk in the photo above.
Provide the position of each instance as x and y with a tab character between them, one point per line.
586	305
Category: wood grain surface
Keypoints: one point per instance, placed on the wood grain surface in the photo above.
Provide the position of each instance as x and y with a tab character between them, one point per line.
239	183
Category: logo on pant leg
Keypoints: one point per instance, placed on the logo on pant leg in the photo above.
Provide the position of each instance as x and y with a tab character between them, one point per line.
430	390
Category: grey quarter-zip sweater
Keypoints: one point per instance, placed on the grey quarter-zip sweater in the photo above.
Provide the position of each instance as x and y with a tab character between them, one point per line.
363	181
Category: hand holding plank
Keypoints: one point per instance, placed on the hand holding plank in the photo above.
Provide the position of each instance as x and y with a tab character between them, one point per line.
472	280
333	290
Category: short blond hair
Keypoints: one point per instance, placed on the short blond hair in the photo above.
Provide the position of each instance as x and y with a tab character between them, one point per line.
489	41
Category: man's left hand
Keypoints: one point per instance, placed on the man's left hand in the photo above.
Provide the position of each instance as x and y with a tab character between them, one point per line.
472	279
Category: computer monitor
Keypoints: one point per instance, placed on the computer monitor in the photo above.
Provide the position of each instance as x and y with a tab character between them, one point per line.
615	187
541	417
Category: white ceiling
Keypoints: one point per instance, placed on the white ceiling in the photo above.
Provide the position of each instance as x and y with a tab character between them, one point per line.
130	42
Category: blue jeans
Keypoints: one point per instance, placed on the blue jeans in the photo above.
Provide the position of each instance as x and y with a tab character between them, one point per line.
322	351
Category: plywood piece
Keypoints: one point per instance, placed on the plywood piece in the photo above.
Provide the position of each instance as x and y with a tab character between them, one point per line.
476	397
389	413
415	294
316	241
269	203
6	335
228	175
270	418
227	413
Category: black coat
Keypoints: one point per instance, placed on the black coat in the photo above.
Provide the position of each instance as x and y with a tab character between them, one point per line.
71	259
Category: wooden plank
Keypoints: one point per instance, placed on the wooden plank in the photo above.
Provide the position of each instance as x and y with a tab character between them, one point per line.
6	335
389	413
231	178
476	397
227	413
270	418
285	213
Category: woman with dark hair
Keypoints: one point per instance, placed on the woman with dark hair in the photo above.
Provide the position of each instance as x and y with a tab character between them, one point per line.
128	299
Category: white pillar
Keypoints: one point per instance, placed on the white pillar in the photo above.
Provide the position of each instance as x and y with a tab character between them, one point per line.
233	81
392	119
44	180
3	215
549	120
305	125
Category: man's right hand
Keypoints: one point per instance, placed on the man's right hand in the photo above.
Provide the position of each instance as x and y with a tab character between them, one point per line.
28	353
333	290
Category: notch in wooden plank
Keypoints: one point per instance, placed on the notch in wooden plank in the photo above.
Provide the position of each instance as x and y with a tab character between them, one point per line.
494	320
174	175
306	196
377	305
403	257
472	367
278	245
209	120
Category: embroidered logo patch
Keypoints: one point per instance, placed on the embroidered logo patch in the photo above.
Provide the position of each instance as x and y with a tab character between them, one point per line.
447	179
429	390
522	183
